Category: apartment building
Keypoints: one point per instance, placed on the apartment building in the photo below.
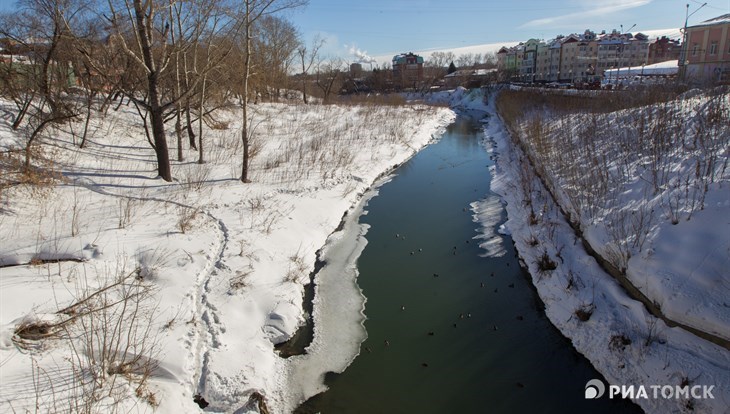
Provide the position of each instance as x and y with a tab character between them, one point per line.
407	70
620	50
706	57
580	57
663	49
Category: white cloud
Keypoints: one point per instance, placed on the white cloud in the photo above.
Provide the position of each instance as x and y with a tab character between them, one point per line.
596	10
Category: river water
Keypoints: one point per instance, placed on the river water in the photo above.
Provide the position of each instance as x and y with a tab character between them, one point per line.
452	327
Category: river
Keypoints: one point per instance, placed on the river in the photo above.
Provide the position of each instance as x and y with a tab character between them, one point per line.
451	326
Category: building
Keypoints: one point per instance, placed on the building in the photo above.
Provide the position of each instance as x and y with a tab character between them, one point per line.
509	62
549	66
621	50
579	58
528	68
706	52
407	70
663	49
355	70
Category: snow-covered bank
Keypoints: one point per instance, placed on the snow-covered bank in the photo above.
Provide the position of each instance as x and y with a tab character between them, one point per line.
626	344
338	314
459	99
222	264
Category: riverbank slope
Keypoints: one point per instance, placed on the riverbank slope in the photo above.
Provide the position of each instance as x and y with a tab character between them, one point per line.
625	343
209	271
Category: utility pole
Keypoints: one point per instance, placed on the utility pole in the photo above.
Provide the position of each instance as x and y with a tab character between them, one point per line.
683	61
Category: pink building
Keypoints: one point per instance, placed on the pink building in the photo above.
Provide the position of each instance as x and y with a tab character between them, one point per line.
707	51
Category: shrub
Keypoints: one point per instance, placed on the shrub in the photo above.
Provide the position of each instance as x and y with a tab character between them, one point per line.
619	342
545	263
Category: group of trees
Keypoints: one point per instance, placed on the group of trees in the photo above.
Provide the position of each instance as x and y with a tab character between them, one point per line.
439	64
175	61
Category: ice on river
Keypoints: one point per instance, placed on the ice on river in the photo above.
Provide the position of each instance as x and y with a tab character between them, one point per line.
338	313
488	213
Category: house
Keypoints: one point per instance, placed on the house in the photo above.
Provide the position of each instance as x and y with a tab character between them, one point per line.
663	49
528	69
578	58
509	61
548	66
407	70
619	50
706	52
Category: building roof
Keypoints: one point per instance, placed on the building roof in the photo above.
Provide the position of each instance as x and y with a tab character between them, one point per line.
470	72
663	68
401	58
724	19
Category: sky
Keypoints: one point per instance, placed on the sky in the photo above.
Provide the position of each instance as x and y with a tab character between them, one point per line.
359	30
381	28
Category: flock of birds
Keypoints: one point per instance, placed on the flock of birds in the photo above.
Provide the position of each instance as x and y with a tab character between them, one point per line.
463	315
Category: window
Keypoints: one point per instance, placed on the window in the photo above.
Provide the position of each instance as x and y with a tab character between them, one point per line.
695	49
713	48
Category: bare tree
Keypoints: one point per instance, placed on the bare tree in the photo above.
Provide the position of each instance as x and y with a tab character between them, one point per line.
143	30
435	67
42	31
308	56
329	77
274	49
251	12
151	51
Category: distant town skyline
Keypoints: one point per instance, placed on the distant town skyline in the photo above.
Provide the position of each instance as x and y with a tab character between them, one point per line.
377	28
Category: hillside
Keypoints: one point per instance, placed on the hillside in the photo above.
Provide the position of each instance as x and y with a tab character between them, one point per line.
120	291
643	181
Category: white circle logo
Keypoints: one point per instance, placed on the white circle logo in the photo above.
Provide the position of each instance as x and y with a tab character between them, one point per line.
595	389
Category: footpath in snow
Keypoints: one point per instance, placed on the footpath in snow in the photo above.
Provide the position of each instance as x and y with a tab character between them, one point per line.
209	271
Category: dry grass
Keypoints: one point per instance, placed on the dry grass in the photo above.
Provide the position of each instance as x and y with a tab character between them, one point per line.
585	149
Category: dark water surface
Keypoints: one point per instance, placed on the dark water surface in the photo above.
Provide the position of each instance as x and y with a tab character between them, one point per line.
475	338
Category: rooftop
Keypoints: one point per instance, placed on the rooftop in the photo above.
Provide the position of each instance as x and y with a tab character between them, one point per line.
724	19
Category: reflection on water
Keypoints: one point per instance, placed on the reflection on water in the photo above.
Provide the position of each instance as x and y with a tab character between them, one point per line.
451	329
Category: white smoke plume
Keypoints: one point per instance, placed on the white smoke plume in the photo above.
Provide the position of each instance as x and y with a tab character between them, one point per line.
361	55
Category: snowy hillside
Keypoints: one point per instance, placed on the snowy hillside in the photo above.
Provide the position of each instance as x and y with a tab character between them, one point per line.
649	190
121	290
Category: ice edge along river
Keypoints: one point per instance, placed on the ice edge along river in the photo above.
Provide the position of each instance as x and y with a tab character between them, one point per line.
339	303
338	315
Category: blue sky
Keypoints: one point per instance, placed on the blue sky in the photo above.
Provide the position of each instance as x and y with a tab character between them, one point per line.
381	27
386	27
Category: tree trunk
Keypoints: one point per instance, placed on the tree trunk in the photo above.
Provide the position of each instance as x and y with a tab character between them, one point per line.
178	133
158	134
89	102
155	109
189	126
201	159
304	89
246	74
24	110
178	106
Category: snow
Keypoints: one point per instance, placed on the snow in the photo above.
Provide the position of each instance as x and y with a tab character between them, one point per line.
226	262
663	68
692	259
460	99
222	264
654	354
338	313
